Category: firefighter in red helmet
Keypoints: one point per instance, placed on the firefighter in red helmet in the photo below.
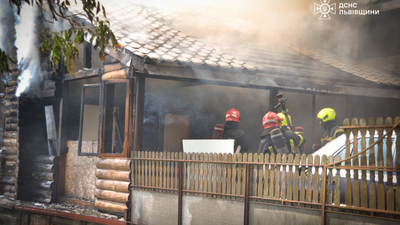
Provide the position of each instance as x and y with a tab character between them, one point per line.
232	130
275	139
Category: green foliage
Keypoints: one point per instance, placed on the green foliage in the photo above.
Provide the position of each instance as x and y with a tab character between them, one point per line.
64	44
4	58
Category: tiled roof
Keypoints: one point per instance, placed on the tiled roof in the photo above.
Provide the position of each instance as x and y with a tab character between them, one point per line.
140	32
353	67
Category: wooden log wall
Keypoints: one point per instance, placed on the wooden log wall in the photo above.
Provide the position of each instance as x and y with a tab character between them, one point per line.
11	136
112	184
38	181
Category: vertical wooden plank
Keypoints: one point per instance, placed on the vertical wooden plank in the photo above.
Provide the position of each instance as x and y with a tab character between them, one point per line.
224	174
157	171
210	173
172	170
215	175
356	184
329	190
278	176
135	164
315	198
372	185
260	175
161	170
234	179
296	178
201	175
348	188
205	184
153	170
272	176
309	179
245	159
239	175
290	179
142	169
196	173
381	187
303	179
178	156
146	169
164	155
188	173
336	197
397	163
168	173
229	175
266	174
363	185
254	176
389	163
184	174
219	170
283	175
192	172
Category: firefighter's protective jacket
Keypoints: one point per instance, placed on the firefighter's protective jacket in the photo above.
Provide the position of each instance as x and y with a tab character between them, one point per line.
292	140
332	131
232	131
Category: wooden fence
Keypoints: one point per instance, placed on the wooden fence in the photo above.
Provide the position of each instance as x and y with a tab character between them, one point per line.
325	183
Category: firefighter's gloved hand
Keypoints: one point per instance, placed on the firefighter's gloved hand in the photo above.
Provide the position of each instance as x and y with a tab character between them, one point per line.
315	147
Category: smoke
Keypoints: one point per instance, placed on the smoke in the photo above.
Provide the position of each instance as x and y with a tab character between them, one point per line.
27	43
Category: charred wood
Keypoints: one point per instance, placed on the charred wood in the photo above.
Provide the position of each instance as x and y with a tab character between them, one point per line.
110	206
9	180
43	176
12	119
11	112
40	167
12	127
47	159
10	142
112	196
12	82
114	164
39	199
10	195
11	90
112	185
113	175
9	188
11	134
10	164
11	105
45	185
9	150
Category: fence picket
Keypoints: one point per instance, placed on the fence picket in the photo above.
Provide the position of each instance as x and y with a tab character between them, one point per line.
136	171
347	192
224	174
336	197
356	184
168	173
315	197
309	180
296	178
397	129
184	173
142	171
210	173
219	180
389	163
205	184
329	191
381	187
196	174
290	180
363	185
253	168
201	175
172	174
303	179
239	175
266	174
229	176
260	175
283	177
272	176
372	186
245	159
234	159
153	170
215	174
188	173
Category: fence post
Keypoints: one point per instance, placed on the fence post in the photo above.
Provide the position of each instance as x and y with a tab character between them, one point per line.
323	188
180	186
246	195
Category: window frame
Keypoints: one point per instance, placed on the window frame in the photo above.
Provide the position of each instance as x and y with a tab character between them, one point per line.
80	153
128	118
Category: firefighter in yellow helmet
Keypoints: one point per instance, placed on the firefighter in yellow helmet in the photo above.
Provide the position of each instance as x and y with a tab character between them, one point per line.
287	126
327	119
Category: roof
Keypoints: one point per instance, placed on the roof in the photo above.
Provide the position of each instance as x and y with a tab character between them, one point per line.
138	31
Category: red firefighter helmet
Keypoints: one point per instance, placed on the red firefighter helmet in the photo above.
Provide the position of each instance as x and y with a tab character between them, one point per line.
271	119
232	115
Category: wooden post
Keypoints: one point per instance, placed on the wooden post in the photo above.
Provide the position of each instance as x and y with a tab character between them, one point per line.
347	192
364	186
336	197
372	185
389	163
381	187
397	129
356	184
290	180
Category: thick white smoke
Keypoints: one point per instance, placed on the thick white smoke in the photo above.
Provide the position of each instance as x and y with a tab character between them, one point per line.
27	43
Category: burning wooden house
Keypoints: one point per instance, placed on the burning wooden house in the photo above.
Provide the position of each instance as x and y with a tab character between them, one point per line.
74	144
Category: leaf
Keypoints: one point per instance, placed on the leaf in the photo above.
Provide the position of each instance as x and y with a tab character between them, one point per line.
102	56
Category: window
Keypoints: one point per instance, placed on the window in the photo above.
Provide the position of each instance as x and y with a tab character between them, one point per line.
89	122
115	114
